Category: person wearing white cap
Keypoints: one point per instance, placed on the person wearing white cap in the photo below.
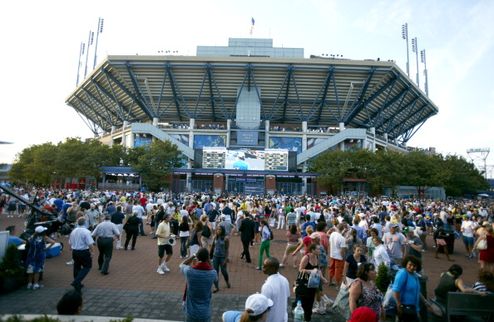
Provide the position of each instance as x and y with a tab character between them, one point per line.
256	307
36	256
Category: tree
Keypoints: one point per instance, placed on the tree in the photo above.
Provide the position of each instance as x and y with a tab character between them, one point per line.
155	162
461	177
391	169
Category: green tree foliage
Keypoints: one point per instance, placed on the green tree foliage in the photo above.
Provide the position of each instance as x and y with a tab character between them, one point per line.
461	177
390	169
155	162
42	164
45	163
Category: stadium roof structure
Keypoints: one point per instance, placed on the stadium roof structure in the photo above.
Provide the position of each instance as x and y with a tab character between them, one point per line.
323	92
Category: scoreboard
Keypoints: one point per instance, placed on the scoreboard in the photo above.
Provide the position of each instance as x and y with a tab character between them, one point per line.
245	159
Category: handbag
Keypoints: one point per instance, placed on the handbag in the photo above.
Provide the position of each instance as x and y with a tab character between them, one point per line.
341	304
408	310
481	244
314	280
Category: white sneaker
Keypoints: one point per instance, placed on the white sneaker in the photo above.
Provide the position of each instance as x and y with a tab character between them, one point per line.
165	268
160	271
29	286
36	286
315	307
71	262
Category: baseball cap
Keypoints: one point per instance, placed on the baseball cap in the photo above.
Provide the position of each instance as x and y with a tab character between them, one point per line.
258	304
394	226
40	229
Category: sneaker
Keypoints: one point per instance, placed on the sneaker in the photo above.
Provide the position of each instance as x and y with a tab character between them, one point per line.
70	262
258	268
160	271
315	307
165	268
36	286
29	286
282	265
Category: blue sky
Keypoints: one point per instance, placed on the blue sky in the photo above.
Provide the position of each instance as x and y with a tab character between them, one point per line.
41	39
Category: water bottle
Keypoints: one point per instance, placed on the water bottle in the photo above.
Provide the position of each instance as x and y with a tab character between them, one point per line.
298	312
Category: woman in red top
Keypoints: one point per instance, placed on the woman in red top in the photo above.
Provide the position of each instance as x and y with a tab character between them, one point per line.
486	256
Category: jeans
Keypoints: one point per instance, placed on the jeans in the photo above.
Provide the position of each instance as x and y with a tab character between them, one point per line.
82	266
183	246
220	263
141	227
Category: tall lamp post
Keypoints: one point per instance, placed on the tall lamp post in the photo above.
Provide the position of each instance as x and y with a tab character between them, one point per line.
415	49
81	53
89	43
404	35
98	31
426	84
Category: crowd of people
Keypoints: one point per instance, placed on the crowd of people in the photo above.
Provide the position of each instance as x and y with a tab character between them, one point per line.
335	241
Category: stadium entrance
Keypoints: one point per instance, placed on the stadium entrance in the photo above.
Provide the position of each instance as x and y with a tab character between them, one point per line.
243	182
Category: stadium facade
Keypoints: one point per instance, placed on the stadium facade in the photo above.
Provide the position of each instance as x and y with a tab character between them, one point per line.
249	117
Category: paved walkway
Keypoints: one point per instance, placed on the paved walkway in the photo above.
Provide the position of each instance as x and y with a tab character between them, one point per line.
133	288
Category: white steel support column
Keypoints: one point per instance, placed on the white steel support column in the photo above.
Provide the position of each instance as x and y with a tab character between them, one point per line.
267	125
372	146
191	133
304	135
342	144
228	132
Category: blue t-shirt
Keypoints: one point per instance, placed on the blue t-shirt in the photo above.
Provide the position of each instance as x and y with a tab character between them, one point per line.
409	287
232	316
198	298
14	240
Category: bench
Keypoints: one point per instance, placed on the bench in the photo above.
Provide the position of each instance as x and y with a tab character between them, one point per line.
473	306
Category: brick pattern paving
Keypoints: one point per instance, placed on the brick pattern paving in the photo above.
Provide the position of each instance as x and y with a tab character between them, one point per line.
134	288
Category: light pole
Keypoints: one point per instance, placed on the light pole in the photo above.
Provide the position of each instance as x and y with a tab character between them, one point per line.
98	31
81	52
89	43
415	49
426	84
404	35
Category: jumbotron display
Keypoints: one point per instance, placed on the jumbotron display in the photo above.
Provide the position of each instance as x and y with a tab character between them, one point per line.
245	159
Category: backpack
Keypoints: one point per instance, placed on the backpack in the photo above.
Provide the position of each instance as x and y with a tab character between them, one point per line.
206	231
271	236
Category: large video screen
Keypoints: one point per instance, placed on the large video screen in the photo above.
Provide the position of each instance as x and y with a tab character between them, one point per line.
245	159
288	143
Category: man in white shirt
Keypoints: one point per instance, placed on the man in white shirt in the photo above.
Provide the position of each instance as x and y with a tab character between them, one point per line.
81	242
380	254
277	288
140	214
337	249
467	230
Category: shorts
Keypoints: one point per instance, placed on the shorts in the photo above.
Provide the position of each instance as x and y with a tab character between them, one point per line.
468	241
34	268
165	248
441	242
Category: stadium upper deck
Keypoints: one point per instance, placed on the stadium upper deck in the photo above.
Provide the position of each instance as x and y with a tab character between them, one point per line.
287	91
